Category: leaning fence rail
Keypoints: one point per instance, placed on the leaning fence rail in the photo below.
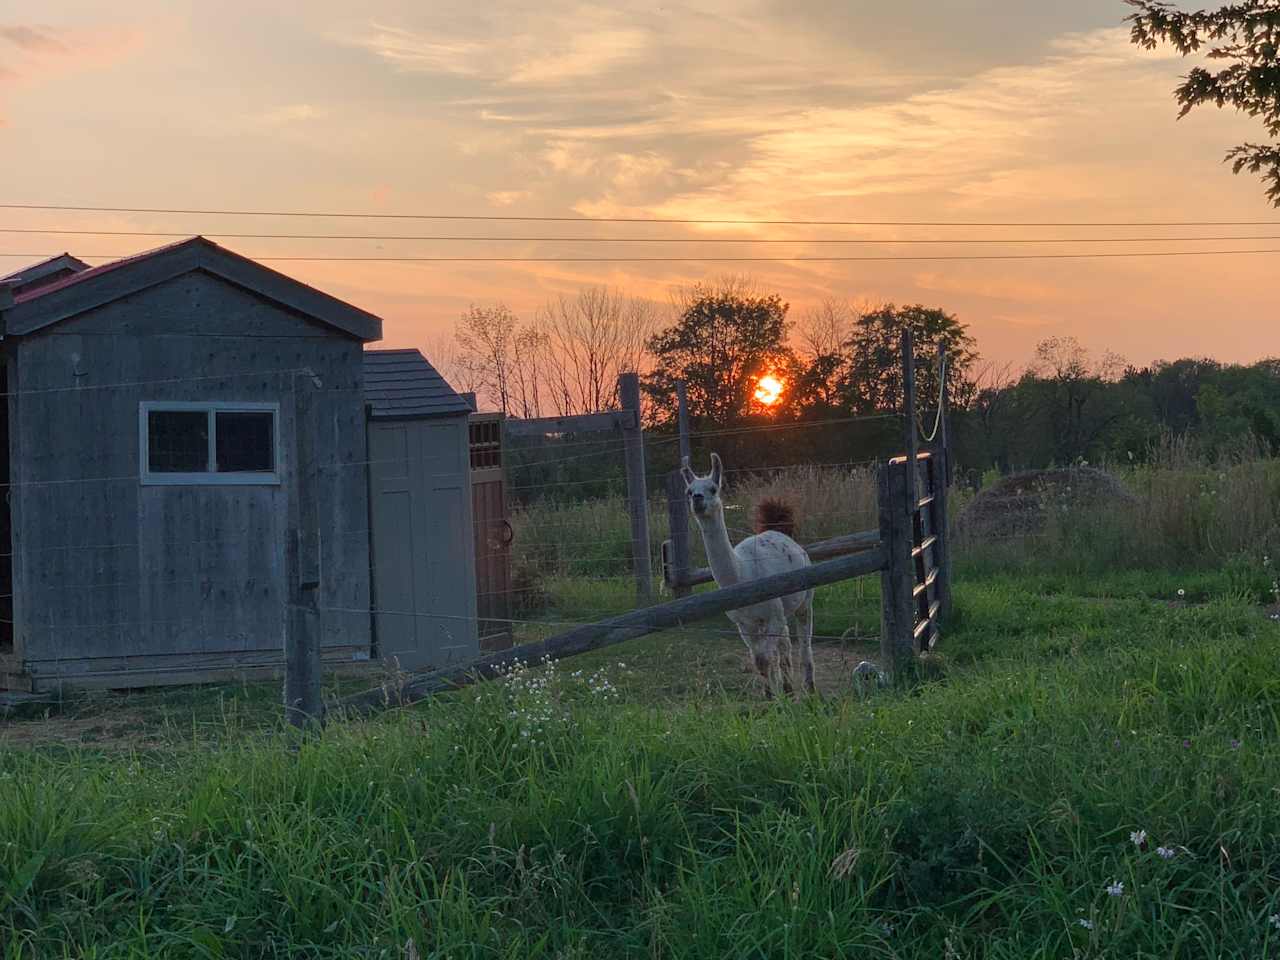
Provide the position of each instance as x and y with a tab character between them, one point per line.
908	550
628	626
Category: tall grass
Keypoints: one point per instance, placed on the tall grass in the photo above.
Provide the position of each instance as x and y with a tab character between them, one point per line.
593	537
1185	512
553	815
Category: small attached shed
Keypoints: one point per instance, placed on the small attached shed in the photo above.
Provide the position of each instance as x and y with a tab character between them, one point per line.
421	521
149	452
494	533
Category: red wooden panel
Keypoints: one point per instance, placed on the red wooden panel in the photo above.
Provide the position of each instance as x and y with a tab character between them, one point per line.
493	563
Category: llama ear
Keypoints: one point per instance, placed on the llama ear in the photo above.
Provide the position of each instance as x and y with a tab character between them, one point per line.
717	469
686	472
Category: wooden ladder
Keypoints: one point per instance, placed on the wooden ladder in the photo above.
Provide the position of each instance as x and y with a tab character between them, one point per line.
926	528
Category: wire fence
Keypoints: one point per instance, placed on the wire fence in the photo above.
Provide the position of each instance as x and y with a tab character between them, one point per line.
107	580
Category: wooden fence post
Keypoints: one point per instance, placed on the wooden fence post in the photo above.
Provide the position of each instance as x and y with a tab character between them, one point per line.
896	577
678	560
637	495
682	421
302	672
942	475
909	415
627	626
681	558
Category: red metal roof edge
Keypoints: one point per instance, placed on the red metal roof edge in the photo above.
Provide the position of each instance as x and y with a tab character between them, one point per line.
104	268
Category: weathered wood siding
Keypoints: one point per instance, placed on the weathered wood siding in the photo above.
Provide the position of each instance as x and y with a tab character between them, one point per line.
424	564
107	568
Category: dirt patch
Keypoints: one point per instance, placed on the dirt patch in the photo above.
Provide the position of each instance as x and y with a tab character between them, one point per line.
1020	504
832	668
120	729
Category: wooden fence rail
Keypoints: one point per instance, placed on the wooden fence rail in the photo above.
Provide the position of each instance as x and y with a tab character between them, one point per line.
840	546
908	550
628	626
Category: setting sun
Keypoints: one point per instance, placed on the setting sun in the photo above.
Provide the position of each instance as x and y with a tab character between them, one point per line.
769	389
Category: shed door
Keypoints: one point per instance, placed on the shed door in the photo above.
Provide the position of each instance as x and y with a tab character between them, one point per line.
424	589
493	532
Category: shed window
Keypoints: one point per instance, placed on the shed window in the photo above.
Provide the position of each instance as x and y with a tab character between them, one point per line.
209	443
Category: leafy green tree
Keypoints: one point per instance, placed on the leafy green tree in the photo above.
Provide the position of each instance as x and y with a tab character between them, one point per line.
1072	391
1241	407
725	337
871	380
1246	37
1171	388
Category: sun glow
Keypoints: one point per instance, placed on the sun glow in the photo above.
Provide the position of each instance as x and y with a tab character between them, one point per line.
769	389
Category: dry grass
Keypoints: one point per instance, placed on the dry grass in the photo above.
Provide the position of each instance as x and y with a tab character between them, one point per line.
593	539
1180	516
1184	512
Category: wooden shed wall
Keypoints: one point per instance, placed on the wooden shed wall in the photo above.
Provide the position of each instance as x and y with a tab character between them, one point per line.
424	564
112	576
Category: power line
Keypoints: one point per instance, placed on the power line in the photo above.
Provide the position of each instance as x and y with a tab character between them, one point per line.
496	239
728	222
798	259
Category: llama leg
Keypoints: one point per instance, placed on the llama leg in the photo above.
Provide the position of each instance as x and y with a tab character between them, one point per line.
775	636
764	646
759	655
792	639
785	654
804	638
765	665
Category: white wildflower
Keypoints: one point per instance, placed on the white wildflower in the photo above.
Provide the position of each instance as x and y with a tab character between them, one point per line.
1165	853
1181	592
1274	920
1115	888
1087	924
1138	837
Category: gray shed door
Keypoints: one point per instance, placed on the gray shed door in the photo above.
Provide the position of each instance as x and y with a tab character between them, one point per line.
424	587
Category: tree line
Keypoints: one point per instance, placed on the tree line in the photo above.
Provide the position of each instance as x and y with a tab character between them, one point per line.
840	362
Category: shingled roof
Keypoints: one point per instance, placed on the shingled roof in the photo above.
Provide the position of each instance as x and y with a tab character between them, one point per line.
44	273
402	384
77	291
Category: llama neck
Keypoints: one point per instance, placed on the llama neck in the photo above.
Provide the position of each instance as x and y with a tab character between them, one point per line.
724	565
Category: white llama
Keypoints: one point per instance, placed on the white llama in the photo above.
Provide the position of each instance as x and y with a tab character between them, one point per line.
766	627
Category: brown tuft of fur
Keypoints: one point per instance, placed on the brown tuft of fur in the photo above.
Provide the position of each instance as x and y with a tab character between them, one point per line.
774	514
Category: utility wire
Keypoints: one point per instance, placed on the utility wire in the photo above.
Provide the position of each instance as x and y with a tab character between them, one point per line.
914	258
495	239
550	219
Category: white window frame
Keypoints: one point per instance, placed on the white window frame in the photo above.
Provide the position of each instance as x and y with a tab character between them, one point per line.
209	477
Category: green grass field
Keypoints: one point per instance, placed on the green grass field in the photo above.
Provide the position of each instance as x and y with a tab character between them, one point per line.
643	801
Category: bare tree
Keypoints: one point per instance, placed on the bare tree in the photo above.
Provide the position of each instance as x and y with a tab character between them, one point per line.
822	336
824	329
442	352
587	340
486	346
528	367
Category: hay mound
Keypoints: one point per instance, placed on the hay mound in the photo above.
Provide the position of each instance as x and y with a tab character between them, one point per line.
1020	504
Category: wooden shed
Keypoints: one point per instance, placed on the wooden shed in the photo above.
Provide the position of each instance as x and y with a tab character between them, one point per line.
421	521
150	457
494	533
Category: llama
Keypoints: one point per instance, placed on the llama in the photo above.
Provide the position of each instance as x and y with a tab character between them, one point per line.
767	627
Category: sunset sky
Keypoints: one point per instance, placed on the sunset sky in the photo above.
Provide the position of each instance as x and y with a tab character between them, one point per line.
951	110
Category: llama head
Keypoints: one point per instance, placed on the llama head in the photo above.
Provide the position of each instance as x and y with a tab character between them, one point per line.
704	492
